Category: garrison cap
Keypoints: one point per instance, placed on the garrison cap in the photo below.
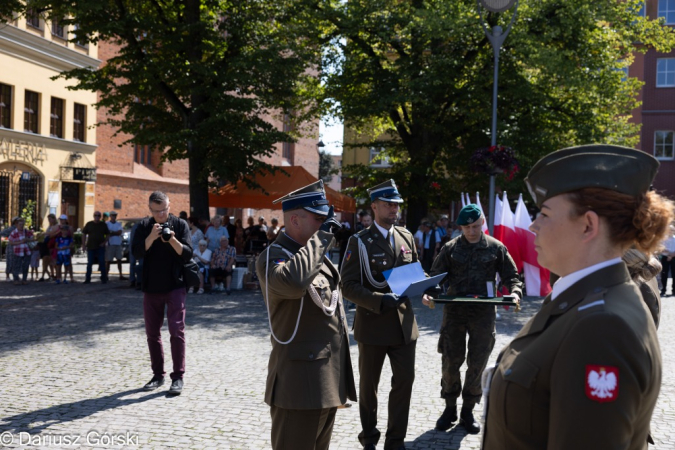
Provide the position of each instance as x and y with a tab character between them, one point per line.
469	214
613	167
311	197
387	192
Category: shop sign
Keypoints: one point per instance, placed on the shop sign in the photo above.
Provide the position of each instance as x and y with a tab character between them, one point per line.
84	174
22	150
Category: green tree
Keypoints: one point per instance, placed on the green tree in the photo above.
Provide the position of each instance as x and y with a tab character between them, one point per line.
418	76
326	166
195	78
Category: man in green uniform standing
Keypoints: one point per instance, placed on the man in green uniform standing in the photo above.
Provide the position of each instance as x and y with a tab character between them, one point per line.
384	324
309	371
472	260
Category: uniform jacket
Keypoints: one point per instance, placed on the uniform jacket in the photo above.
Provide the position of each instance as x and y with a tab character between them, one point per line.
372	324
542	393
471	266
314	370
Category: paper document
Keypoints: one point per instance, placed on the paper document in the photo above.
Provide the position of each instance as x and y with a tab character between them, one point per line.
410	280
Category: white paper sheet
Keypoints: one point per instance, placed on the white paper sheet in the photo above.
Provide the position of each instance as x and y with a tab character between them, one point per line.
409	280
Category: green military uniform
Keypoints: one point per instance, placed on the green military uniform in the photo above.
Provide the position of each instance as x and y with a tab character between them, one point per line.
470	267
381	331
585	371
309	371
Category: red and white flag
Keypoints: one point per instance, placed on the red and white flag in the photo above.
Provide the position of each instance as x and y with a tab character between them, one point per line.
536	277
509	236
497	225
485	227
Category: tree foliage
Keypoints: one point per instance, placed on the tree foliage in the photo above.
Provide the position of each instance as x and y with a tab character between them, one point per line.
196	78
418	75
326	166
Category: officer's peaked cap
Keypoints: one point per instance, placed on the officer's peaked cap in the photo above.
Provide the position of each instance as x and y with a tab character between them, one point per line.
311	198
386	192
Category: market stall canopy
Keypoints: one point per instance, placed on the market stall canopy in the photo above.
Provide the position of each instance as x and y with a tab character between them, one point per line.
276	185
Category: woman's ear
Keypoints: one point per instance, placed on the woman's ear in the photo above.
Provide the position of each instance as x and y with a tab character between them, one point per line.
591	223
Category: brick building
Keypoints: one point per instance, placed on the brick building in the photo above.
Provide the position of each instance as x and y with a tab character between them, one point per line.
127	174
657	111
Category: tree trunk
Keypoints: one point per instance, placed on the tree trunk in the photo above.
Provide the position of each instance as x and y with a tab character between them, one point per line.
199	188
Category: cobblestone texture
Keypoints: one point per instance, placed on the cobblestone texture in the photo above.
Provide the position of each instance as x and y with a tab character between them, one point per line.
73	359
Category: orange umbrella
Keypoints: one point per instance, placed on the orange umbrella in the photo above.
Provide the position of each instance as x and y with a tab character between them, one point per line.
276	185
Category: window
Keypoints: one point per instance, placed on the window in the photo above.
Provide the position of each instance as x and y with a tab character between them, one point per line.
377	159
287	148
31	112
665	72
5	106
33	19
142	154
79	122
663	144
57	29
667	11
56	118
82	42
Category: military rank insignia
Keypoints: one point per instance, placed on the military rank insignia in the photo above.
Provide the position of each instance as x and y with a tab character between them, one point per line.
602	383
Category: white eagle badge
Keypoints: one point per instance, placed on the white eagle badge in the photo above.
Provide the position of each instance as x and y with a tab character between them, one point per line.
602	383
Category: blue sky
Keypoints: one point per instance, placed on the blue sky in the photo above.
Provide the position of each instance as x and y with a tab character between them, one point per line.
331	135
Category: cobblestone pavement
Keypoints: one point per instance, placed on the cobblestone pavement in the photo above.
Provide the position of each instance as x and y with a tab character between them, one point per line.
73	359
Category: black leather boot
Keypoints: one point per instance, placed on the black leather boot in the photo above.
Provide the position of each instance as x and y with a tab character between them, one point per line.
467	420
448	417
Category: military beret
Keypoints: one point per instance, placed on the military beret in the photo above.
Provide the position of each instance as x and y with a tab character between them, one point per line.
387	192
613	167
311	198
469	214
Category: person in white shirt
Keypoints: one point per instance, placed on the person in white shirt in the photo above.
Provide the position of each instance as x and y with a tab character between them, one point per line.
202	257
114	248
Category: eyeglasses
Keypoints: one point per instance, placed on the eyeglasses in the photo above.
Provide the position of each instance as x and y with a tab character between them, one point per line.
160	211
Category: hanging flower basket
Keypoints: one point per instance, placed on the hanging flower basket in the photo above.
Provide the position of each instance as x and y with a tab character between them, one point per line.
495	160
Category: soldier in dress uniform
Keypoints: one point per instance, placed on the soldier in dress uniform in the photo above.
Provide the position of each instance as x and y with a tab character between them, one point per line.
384	324
585	371
309	371
472	260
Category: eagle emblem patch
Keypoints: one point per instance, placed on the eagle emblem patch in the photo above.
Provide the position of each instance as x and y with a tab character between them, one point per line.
602	383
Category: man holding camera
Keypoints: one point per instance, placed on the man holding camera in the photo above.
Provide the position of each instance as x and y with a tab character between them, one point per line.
163	241
309	371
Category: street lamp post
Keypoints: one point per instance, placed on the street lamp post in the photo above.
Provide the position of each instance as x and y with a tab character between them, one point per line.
496	38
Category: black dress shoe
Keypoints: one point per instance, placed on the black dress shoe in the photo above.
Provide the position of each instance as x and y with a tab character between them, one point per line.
467	420
154	383
176	387
369	447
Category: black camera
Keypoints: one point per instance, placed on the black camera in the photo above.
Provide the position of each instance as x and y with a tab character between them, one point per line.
166	231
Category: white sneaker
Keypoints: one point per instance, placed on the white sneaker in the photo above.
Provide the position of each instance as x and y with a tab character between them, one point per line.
220	287
190	291
201	291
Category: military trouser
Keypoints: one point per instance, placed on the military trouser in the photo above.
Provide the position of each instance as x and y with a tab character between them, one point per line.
478	321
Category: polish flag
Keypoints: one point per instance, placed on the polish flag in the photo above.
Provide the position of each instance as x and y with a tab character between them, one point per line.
497	226
508	230
485	227
536	277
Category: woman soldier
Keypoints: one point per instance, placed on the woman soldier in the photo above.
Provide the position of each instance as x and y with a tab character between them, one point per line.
585	371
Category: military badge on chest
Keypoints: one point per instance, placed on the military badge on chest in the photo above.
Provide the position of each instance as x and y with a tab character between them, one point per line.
602	383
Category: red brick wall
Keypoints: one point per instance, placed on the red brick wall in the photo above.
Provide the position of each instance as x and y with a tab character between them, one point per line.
134	195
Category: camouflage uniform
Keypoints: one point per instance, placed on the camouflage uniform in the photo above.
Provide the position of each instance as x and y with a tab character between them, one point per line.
469	267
